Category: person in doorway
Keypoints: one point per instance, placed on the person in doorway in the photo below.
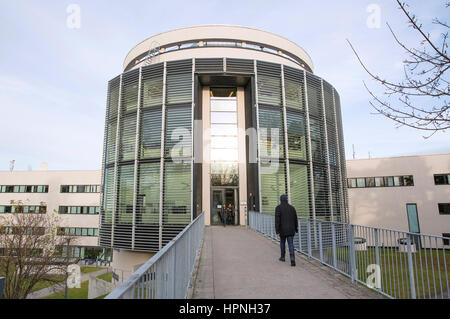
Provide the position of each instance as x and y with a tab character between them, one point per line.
286	226
224	215
230	213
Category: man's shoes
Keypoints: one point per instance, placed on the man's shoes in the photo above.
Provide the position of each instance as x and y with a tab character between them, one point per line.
292	263
281	259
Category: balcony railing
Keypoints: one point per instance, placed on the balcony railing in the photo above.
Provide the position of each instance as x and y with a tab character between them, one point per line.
167	275
396	264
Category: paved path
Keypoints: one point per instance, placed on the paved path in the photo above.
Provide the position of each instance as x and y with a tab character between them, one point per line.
59	287
239	263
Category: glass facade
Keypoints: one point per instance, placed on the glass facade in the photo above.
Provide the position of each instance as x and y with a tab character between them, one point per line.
224	138
150	188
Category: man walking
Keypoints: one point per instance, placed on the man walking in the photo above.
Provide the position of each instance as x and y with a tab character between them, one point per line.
286	226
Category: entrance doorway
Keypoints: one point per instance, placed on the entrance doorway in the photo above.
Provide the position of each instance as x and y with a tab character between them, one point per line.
222	198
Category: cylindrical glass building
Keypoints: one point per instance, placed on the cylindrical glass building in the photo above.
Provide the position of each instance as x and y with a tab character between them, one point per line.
212	116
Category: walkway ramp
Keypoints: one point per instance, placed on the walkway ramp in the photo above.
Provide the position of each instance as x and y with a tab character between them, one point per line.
239	263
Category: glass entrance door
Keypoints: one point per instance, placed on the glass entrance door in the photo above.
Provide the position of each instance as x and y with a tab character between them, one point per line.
223	199
217	203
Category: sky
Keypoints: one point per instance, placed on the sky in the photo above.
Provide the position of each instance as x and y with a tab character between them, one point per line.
53	77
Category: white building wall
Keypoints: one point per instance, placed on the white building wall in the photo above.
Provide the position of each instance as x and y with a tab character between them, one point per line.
386	206
54	198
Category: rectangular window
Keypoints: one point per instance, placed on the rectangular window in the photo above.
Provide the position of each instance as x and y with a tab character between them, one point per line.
442	179
370	181
389	181
360	182
446	241
351	183
80	189
23	188
379	182
413	218
408	180
444	208
398	180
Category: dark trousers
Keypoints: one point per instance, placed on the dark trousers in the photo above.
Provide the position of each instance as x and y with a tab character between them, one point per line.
290	240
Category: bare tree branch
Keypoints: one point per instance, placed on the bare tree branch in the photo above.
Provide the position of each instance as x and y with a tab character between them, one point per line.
421	99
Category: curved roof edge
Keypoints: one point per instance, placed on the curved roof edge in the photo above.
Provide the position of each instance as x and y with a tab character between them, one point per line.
218	32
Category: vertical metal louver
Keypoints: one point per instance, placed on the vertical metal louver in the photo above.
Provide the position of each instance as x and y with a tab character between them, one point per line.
209	65
179	82
269	83
111	124
331	125
240	66
294	87
343	170
124	210
314	95
296	131
106	212
147	207
178	132
300	197
127	137
111	141
271	125
129	94
152	85
321	192
273	185
150	135
176	199
316	120
113	98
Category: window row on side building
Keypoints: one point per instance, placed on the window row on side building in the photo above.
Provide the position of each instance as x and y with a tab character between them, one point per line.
44	188
392	181
73	196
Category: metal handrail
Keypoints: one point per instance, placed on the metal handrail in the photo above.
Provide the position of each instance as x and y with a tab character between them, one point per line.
161	276
394	263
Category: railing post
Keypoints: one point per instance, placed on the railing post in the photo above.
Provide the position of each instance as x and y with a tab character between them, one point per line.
377	249
412	284
130	293
333	243
300	235
319	223
308	237
351	253
174	270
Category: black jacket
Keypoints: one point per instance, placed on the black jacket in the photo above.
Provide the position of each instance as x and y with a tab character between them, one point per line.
286	223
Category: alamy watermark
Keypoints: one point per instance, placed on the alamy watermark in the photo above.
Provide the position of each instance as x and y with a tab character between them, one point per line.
74	276
374	19
73	20
374	276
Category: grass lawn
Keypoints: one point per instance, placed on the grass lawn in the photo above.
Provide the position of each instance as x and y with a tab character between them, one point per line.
80	293
106	277
72	293
430	276
41	284
44	283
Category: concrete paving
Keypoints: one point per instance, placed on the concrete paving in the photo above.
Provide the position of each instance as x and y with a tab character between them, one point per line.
60	287
239	263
